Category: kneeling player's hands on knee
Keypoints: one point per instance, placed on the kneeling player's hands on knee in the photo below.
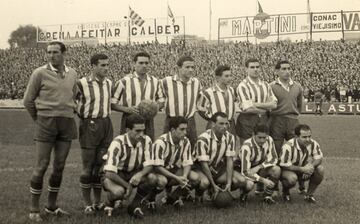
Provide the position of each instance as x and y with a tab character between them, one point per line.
128	191
227	187
135	180
183	181
268	183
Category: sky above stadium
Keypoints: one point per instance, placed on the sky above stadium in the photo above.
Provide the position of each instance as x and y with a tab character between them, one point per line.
14	13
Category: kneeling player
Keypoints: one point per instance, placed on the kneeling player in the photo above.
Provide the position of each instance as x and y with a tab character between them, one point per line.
300	159
128	167
173	161
258	162
215	150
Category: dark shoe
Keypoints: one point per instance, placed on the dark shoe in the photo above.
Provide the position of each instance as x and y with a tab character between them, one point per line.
269	200
310	199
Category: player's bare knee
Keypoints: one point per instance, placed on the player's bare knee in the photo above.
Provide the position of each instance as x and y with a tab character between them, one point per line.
289	180
249	185
151	179
117	192
41	167
204	183
275	172
161	181
320	170
194	178
58	167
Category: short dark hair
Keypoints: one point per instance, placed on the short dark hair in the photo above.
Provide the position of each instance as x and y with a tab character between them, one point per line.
141	54
263	128
220	69
174	122
300	127
279	63
94	60
133	119
182	59
250	60
61	44
216	115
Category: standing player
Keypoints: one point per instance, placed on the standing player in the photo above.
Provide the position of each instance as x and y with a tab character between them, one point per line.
284	117
132	89
301	159
219	98
50	101
258	162
95	131
173	160
128	166
255	98
181	93
215	151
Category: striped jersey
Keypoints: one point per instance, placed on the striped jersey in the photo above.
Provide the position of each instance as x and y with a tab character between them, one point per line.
251	155
123	156
131	90
214	99
94	97
294	154
168	154
249	92
180	98
213	150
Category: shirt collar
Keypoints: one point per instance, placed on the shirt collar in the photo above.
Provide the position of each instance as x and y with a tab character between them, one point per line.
177	78
297	145
254	142
169	138
252	82
291	82
52	68
127	141
213	136
216	87
136	75
90	79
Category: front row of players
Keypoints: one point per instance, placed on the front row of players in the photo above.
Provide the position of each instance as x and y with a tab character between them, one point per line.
136	166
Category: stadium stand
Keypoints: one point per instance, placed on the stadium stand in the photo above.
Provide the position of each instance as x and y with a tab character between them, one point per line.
332	67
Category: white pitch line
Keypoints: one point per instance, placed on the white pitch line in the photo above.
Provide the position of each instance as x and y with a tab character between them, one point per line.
76	165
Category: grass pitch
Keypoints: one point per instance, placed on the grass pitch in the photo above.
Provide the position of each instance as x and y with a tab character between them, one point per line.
338	196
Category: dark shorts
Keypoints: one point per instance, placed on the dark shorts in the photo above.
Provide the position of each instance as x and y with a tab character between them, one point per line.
191	133
215	171
149	126
245	124
52	129
282	127
95	133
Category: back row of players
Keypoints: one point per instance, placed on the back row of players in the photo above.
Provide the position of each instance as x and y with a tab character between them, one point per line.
136	162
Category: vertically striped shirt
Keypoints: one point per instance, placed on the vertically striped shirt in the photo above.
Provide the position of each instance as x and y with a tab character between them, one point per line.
251	155
94	98
294	154
249	92
169	155
180	98
214	99
123	156
213	150
130	92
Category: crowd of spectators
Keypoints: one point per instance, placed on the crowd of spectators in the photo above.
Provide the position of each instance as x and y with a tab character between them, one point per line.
331	67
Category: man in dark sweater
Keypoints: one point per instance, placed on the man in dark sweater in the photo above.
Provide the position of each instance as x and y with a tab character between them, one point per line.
284	117
50	101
